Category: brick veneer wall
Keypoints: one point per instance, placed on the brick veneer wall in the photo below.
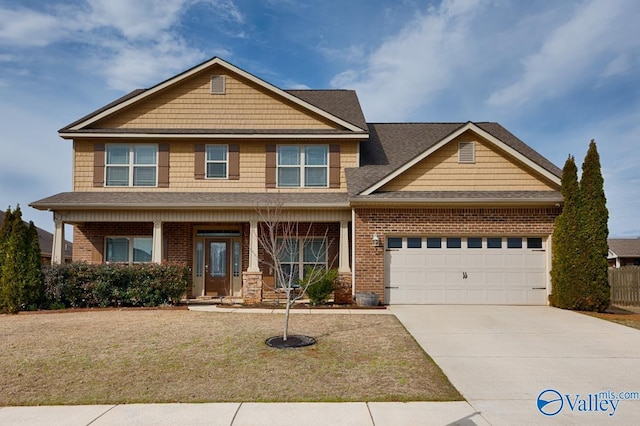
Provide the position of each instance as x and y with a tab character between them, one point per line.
369	260
89	237
305	229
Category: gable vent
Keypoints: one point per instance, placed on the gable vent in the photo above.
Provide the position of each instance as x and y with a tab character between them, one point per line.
466	152
217	84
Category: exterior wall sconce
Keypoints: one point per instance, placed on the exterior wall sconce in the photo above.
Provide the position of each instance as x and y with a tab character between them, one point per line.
376	240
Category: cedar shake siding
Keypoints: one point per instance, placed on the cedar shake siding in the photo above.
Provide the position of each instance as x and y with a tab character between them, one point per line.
181	166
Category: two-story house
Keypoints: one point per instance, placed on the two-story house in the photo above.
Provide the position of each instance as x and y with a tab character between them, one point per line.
415	212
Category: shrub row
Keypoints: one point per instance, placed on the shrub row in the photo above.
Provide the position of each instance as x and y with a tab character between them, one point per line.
83	285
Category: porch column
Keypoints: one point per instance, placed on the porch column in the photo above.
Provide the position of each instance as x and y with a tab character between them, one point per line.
156	250
253	247
57	251
343	258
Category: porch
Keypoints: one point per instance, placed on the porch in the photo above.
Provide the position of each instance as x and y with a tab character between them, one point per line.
221	248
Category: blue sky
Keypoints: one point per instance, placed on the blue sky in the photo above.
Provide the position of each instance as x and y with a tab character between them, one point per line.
555	73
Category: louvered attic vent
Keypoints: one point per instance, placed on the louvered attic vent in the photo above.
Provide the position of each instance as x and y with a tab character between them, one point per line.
217	84
466	152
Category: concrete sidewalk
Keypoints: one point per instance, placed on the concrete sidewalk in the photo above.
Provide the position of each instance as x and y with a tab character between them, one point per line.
247	414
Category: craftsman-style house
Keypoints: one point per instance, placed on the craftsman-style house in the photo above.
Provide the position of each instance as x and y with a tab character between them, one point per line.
415	212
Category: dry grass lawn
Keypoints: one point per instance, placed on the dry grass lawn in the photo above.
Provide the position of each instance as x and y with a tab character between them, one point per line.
620	316
139	356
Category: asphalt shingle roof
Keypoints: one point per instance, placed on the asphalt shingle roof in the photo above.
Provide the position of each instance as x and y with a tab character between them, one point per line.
625	247
190	200
392	145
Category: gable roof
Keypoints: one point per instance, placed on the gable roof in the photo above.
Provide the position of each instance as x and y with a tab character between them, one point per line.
624	247
339	107
394	147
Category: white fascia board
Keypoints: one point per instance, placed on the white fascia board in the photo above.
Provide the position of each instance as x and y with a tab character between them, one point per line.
229	67
74	135
469	126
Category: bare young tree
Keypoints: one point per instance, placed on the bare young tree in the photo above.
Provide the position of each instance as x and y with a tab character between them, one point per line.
281	237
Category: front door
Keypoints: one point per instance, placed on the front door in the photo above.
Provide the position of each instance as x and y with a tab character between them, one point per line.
216	266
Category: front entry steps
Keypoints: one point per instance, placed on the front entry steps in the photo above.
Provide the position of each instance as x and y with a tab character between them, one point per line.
212	300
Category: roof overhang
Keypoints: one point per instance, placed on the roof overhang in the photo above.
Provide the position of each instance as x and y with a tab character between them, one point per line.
477	199
178	135
198	68
474	128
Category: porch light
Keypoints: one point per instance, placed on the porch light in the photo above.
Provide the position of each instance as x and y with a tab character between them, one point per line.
376	240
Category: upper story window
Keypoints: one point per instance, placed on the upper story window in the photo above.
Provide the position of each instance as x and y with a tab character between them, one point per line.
303	166
216	161
131	165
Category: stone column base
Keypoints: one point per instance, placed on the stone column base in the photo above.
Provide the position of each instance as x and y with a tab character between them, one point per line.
342	294
251	287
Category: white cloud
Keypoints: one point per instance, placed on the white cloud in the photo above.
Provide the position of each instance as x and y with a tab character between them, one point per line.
575	52
24	27
407	70
133	43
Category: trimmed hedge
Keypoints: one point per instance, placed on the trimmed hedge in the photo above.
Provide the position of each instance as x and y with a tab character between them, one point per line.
83	285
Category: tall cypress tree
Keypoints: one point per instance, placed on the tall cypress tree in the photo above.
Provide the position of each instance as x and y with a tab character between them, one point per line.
34	280
566	242
13	270
593	234
21	281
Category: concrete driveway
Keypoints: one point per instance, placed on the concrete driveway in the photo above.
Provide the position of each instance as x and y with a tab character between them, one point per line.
501	358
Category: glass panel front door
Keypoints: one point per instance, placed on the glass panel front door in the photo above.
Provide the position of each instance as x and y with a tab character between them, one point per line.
216	268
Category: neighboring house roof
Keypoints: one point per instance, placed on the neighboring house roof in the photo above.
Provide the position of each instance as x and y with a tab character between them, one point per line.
624	247
190	200
336	105
46	241
392	146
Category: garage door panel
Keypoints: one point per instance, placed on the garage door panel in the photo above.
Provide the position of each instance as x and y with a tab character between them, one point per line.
494	259
466	275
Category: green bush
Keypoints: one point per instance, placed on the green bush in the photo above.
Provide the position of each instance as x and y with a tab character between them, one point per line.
86	285
322	287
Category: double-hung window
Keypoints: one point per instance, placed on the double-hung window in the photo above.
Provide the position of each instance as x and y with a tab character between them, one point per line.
216	161
303	166
131	165
128	249
297	254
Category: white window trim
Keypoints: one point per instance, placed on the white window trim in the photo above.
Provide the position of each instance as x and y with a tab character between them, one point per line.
206	162
300	263
131	166
131	239
302	166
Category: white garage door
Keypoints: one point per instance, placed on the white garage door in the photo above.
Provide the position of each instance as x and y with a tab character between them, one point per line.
471	270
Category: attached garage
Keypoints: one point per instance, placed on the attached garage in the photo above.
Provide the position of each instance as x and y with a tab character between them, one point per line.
466	270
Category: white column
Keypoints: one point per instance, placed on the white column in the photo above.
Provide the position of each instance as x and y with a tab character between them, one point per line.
343	257
253	247
156	251
57	250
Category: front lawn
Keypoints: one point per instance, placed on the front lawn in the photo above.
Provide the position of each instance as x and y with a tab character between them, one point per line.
141	356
